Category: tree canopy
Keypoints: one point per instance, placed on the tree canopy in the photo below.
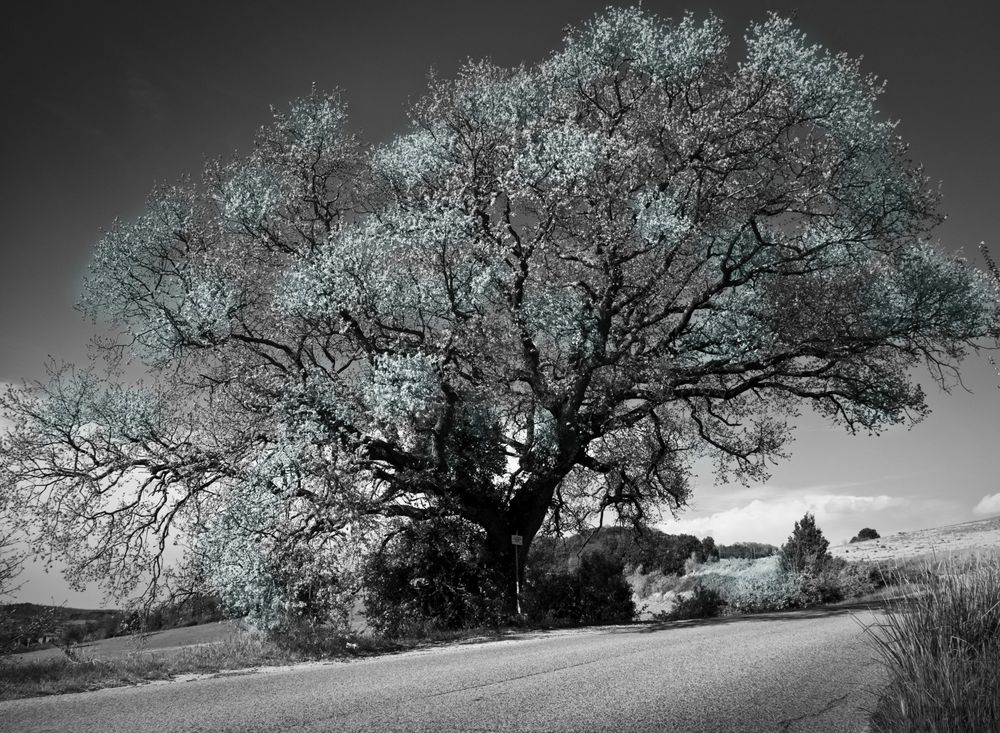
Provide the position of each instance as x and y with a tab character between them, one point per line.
531	311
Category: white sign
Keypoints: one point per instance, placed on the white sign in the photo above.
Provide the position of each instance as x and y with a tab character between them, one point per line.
516	539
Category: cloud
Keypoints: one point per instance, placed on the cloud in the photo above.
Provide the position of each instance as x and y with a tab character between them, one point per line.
989	504
771	519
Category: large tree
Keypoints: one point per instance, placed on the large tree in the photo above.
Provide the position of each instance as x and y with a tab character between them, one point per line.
539	305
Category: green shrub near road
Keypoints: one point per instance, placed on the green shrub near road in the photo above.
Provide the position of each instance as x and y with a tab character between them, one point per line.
595	592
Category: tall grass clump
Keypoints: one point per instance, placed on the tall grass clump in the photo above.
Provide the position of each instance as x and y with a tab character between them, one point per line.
940	645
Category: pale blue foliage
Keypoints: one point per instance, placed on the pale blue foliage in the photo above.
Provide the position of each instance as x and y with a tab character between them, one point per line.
306	408
824	88
735	328
129	413
328	280
200	314
667	52
561	315
505	103
403	388
78	402
313	123
829	92
751	585
118	255
235	556
391	264
250	196
207	307
415	157
660	218
945	296
557	156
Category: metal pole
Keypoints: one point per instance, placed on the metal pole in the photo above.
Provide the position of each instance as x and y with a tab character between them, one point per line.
517	579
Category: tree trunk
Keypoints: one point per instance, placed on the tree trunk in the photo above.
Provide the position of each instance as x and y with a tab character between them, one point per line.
509	560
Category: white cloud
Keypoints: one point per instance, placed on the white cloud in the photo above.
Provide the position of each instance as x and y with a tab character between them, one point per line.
989	504
771	519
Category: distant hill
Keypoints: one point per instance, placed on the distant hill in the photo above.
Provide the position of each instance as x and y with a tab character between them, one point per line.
979	535
28	611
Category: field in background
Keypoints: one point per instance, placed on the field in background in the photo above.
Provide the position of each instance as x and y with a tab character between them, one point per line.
982	534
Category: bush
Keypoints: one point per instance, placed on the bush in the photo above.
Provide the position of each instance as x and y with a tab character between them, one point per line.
702	602
806	549
866	534
821	582
595	592
645	585
859	579
430	576
752	586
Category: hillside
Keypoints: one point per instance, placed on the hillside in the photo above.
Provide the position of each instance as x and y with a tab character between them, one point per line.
980	535
16	612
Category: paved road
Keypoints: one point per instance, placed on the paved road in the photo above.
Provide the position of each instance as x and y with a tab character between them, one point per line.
809	671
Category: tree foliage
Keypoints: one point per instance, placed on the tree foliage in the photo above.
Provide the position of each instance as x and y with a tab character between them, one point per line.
533	309
865	534
593	591
430	576
11	563
806	548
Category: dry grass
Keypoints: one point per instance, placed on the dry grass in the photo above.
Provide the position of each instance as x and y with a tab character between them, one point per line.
940	644
78	671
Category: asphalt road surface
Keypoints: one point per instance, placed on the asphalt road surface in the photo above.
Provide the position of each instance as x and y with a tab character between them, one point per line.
804	671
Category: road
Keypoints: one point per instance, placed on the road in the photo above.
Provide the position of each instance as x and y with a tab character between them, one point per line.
804	671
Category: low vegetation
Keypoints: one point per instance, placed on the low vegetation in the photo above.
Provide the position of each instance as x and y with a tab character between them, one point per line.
940	644
77	671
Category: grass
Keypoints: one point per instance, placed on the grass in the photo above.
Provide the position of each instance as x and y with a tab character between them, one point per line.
77	673
940	644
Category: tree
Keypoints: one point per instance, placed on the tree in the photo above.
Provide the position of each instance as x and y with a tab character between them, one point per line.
865	534
531	312
709	552
806	548
11	563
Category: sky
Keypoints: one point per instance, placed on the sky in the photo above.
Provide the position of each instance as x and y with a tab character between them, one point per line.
103	100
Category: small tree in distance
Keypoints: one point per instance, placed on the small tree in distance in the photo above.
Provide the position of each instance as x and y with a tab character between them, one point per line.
806	548
866	534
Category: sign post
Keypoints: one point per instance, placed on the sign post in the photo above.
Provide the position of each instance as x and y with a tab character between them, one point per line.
517	540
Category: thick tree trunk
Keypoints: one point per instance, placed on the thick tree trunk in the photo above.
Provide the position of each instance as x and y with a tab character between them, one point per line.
508	559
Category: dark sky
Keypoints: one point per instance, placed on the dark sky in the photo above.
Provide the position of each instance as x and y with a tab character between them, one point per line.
102	100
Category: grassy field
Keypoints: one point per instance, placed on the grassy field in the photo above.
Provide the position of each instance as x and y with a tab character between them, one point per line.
209	649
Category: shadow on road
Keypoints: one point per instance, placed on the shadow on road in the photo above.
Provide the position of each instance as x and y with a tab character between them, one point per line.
798	614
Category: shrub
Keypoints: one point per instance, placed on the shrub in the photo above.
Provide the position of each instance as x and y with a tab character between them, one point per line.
752	586
702	602
595	592
644	585
821	582
806	548
866	534
858	579
428	577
